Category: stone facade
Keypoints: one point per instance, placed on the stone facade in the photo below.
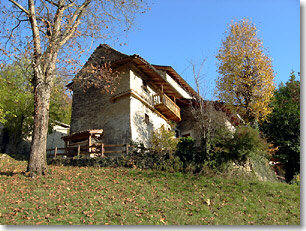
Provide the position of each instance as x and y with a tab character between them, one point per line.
186	126
93	109
122	119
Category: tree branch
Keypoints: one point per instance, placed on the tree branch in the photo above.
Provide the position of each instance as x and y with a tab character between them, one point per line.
20	7
52	3
74	22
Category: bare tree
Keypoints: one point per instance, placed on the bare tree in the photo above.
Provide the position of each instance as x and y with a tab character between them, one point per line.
55	33
208	115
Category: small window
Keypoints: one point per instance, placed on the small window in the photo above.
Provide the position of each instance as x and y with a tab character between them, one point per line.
147	119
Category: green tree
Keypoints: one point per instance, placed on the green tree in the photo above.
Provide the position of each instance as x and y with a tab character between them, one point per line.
17	102
282	127
60	103
16	91
246	77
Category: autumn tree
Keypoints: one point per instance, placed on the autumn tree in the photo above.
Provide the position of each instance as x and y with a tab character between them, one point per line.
49	29
246	77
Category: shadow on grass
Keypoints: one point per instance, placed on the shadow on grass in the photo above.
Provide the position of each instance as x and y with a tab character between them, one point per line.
10	173
19	157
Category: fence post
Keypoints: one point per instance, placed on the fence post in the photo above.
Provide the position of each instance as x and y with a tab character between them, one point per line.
79	150
126	148
102	150
55	152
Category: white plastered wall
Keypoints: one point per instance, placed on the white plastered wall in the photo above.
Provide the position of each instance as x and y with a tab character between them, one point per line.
54	139
177	87
140	130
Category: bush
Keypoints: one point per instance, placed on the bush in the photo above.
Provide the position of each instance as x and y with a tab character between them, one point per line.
85	162
147	158
247	141
237	147
160	153
167	153
296	180
186	150
163	140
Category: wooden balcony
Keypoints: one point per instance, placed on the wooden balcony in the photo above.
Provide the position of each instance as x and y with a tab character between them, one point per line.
167	107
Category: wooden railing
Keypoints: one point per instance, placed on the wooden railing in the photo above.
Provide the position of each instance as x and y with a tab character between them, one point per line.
165	100
77	149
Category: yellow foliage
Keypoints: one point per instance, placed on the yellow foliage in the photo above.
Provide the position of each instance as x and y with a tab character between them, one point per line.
246	77
163	139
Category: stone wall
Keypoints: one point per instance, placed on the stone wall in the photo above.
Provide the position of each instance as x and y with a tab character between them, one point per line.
125	118
93	109
122	119
187	125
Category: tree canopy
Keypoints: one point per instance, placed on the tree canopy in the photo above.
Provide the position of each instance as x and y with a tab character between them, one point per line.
246	77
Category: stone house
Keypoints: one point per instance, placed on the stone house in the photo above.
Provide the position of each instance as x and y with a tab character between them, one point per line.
147	97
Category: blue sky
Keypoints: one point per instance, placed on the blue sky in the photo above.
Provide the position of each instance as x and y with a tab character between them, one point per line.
175	31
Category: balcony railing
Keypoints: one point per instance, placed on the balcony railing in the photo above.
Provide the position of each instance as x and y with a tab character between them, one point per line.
167	107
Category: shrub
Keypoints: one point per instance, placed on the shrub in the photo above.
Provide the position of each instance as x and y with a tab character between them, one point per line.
163	140
237	147
192	157
246	141
296	180
82	162
186	150
160	153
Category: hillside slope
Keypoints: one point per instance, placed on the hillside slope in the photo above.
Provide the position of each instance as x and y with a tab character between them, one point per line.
93	195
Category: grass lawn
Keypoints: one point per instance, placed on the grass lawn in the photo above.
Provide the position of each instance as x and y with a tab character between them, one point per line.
121	196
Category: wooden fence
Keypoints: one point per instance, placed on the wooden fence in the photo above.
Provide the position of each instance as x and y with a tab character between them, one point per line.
78	149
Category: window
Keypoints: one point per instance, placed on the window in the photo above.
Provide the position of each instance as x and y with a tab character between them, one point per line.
147	119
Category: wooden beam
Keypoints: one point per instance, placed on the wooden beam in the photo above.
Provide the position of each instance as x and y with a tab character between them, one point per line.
102	150
89	142
127	149
79	150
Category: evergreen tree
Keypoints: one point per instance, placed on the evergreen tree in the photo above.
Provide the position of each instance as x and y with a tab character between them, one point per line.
282	127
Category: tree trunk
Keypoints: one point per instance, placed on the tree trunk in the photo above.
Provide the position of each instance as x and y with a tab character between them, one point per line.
38	161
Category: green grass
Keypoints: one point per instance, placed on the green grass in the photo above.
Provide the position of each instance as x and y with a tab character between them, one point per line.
121	196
